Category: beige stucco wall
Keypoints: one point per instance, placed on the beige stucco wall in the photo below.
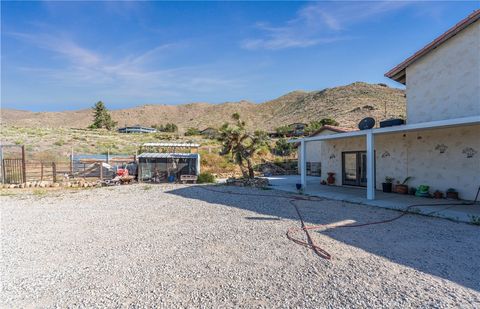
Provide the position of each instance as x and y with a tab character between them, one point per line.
445	83
417	154
313	149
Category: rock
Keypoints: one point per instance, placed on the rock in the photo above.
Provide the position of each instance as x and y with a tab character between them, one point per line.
247	182
55	185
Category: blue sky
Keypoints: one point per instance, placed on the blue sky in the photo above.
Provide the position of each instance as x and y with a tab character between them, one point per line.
68	55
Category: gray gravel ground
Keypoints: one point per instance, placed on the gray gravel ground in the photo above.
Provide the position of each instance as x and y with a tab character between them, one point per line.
183	246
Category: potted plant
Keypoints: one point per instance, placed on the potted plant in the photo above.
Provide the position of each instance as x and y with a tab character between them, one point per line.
331	178
387	185
438	194
402	188
423	191
452	194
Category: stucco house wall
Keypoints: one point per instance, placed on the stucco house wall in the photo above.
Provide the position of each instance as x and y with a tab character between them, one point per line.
445	83
313	149
441	158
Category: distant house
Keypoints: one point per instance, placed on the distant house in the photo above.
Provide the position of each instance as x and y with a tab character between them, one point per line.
209	132
297	128
439	146
136	129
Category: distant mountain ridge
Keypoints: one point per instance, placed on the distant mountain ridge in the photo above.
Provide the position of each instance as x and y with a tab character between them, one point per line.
346	104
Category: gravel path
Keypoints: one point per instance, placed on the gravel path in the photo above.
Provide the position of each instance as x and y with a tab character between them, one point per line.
183	246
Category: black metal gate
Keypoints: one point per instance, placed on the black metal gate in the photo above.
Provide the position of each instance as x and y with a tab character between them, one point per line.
13	171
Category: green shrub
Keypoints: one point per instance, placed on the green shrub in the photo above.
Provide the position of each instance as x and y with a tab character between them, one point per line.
205	178
192	131
60	142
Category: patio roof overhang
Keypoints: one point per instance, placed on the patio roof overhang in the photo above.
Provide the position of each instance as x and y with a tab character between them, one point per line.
370	143
396	129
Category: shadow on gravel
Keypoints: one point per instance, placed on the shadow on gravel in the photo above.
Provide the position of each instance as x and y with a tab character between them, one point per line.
263	218
434	246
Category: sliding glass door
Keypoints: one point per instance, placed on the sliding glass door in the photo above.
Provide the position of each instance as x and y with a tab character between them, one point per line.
354	168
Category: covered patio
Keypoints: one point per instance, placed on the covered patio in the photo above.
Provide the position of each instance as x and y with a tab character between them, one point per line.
461	213
370	136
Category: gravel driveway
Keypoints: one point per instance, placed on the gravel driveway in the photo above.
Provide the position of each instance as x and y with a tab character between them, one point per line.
183	246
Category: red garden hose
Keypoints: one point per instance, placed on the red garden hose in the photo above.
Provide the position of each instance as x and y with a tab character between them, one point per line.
310	243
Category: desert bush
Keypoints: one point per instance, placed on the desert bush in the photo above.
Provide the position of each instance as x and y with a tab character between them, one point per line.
59	142
206	178
192	131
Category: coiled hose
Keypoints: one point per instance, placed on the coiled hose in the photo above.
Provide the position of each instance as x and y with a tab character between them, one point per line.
310	243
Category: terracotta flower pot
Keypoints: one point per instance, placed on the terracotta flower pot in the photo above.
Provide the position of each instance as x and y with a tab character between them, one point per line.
437	195
452	195
331	178
402	189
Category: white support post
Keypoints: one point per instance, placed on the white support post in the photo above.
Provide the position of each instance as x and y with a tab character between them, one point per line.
370	166
303	164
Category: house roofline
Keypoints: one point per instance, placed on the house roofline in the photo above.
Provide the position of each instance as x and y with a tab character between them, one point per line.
331	128
438	124
398	73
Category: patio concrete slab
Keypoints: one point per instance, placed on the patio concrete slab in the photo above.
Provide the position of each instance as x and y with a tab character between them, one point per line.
442	208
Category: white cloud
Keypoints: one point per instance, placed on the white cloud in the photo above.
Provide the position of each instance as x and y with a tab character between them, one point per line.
135	75
317	23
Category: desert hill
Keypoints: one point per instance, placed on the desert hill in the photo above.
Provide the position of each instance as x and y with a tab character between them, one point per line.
346	104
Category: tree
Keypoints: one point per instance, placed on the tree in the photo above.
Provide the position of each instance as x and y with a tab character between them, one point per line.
315	125
170	127
283	147
192	131
283	131
241	145
328	121
101	117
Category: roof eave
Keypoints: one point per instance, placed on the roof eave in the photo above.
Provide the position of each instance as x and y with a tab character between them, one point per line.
398	72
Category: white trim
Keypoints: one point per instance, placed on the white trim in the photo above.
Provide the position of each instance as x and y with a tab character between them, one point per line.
402	128
430	125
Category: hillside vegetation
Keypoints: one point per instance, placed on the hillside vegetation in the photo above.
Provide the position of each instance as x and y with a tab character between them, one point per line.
346	104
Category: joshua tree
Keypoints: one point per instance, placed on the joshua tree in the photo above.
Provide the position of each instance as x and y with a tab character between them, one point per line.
241	144
101	117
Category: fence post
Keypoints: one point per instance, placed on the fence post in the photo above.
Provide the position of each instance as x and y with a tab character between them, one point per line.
4	178
54	171
24	168
101	171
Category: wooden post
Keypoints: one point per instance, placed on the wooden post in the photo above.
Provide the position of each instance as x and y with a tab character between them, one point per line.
24	167
54	171
41	171
101	170
3	171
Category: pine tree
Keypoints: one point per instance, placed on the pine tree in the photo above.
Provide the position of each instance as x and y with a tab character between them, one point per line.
101	117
